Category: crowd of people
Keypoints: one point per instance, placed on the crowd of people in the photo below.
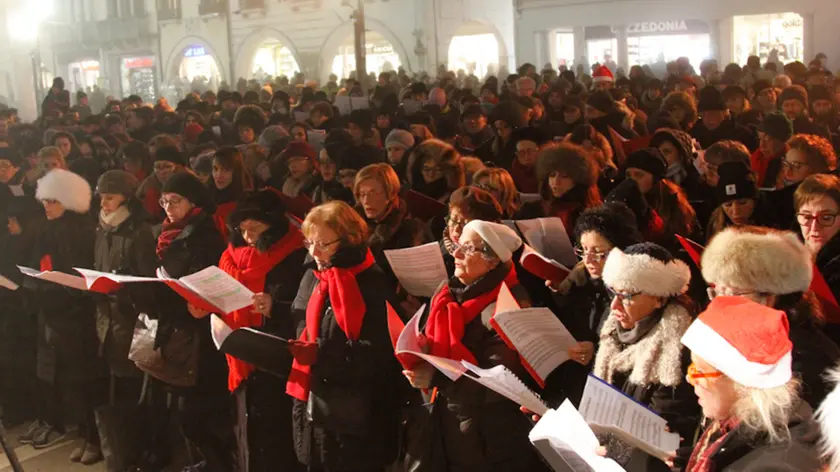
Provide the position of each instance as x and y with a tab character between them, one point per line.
736	348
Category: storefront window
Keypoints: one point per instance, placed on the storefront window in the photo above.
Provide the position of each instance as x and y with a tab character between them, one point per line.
761	35
83	74
273	59
137	77
474	53
659	42
198	69
381	56
564	49
601	51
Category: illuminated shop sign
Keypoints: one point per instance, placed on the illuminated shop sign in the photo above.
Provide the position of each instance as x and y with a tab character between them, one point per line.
195	51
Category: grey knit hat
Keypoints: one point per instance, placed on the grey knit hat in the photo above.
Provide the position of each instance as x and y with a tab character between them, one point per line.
399	137
118	182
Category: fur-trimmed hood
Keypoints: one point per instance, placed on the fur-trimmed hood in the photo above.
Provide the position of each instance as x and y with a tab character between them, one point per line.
69	189
443	155
773	262
655	359
828	416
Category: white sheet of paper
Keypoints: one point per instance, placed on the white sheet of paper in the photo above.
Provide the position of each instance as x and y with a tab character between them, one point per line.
91	276
607	409
8	284
567	442
219	288
504	382
359	103
343	105
301	116
219	330
17	190
413	106
539	337
408	343
72	281
549	237
420	269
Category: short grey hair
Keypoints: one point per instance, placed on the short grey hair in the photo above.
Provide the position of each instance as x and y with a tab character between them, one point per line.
782	82
520	82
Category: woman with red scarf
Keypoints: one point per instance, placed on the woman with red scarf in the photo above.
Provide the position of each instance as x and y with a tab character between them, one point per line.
480	430
266	254
229	181
345	375
187	242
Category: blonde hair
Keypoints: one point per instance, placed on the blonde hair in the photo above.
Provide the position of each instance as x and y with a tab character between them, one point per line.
52	152
382	173
339	217
501	185
766	411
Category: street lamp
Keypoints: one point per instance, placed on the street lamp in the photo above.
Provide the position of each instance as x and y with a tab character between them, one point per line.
23	24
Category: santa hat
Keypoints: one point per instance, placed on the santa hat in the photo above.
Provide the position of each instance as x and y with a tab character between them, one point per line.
602	74
746	341
501	239
773	262
67	188
828	416
646	268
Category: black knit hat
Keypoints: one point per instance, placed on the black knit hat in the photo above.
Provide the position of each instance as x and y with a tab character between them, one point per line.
601	101
628	193
761	85
711	100
648	159
361	118
778	126
11	155
819	92
529	133
794	92
732	91
118	182
170	154
473	110
736	182
265	206
615	221
188	186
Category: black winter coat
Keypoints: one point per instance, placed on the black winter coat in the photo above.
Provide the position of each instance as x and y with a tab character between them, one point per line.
728	130
67	345
199	246
828	262
480	429
363	373
128	249
813	354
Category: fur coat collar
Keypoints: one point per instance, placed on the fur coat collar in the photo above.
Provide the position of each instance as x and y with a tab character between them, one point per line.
384	230
655	359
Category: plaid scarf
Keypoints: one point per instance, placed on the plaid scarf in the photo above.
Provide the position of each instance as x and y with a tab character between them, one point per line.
709	444
171	231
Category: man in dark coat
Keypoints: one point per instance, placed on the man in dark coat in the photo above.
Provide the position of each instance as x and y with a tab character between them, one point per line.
57	101
716	124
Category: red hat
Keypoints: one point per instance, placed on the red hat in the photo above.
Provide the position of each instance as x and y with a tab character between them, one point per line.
192	131
297	149
602	74
748	342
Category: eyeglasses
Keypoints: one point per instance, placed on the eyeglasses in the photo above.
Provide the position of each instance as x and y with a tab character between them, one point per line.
469	250
624	298
714	292
318	246
794	166
694	375
170	202
823	219
456	223
371	194
595	256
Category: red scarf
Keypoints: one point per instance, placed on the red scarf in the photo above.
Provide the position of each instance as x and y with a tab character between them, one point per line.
348	307
220	217
709	444
448	320
172	230
250	267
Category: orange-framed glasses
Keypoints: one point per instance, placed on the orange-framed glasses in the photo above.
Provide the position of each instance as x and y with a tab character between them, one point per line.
694	375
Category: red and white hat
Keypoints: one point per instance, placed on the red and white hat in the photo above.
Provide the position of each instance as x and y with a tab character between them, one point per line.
748	342
602	74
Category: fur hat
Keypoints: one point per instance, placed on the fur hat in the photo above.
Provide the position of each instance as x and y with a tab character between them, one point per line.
778	126
188	186
614	221
67	188
399	137
649	160
501	239
118	182
748	342
773	262
711	100
251	116
828	416
736	182
569	159
646	268
794	92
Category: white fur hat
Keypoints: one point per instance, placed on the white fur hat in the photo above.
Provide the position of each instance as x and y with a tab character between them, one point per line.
67	188
646	268
828	416
501	239
775	263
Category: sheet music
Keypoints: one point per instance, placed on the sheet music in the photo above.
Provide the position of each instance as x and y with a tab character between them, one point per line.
607	409
72	281
343	105
411	106
504	382
92	275
409	343
8	284
219	288
359	103
420	269
301	116
549	237
539	337
219	330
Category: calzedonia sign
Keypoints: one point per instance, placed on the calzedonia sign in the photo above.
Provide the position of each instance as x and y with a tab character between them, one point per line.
649	28
675	26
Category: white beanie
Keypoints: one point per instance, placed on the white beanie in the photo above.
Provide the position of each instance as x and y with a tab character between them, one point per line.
501	239
67	188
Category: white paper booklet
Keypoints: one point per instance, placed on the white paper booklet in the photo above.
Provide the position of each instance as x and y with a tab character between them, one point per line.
211	289
72	281
8	284
420	269
549	237
607	410
504	382
568	444
536	334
